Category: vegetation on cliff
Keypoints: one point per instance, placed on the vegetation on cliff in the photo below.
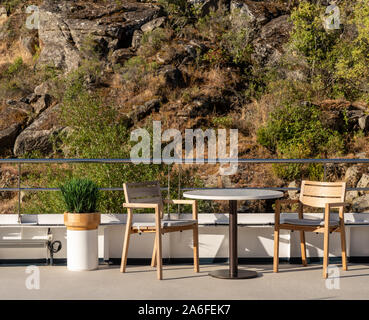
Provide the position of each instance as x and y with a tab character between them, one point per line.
268	68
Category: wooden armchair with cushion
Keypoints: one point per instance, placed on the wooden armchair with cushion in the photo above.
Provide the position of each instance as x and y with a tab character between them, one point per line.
148	195
325	195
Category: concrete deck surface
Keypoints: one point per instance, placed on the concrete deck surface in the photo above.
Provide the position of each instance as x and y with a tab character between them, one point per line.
180	282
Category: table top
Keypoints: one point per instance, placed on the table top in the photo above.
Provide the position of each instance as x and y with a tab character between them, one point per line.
233	194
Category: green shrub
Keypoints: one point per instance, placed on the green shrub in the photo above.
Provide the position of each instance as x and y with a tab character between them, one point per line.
296	131
80	195
135	72
10	5
352	65
153	40
15	66
222	121
180	12
309	36
338	60
229	35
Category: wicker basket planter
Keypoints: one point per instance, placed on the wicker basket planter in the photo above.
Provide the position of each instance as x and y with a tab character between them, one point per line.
82	221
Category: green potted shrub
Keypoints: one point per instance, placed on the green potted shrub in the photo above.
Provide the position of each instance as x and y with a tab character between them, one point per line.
82	221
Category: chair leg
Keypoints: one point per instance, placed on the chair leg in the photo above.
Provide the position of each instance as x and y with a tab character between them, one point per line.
326	253
343	247
159	256
125	249
276	250
196	248
153	259
303	248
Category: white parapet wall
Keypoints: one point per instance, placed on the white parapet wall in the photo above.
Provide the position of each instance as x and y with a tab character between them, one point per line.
255	237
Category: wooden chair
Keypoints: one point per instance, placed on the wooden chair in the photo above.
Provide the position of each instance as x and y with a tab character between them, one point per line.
325	195
148	195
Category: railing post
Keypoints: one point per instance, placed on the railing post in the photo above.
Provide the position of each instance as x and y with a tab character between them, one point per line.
168	196
179	187
19	192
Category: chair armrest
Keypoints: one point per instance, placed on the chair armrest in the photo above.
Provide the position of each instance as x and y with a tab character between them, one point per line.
340	205
191	202
337	204
179	201
141	205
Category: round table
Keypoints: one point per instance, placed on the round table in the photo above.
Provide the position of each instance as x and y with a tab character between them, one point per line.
232	195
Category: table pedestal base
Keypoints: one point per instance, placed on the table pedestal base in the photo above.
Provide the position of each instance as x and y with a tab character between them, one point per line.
241	274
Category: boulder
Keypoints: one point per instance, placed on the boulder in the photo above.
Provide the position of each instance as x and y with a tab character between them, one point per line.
153	24
42	89
37	137
352	176
364	123
361	204
29	141
140	112
351	196
268	45
293	194
67	27
42	104
363	183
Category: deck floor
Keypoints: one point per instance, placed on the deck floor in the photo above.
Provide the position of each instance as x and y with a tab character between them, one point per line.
180	282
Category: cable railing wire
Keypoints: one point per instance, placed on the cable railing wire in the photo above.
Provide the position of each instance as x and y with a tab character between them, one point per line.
168	162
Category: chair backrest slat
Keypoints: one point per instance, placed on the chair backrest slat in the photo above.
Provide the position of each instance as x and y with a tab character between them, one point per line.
318	194
143	192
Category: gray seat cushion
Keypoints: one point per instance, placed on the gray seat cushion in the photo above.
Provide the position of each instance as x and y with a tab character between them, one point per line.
308	222
165	223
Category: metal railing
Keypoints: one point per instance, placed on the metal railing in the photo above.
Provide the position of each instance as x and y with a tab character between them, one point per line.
186	161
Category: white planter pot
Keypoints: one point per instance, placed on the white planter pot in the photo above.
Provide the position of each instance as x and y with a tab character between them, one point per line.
82	250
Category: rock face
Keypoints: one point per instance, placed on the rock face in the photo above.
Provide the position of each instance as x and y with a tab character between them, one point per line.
67	27
268	25
269	45
259	12
140	112
27	114
37	137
